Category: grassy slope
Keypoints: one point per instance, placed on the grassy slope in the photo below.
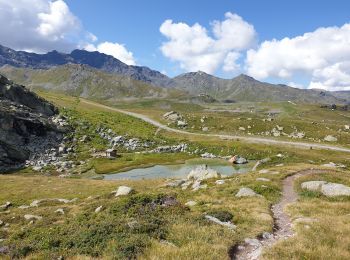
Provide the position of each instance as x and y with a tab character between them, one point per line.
327	236
109	235
314	121
81	80
124	124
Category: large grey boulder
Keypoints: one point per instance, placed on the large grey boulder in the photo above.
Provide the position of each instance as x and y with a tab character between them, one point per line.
202	172
330	138
312	185
246	192
123	191
335	189
328	189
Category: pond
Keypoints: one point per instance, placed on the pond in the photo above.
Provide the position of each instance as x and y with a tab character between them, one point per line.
178	171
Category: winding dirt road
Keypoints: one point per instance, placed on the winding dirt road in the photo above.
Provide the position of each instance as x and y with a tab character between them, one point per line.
259	140
253	248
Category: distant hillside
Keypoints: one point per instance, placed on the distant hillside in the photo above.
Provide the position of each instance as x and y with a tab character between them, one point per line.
342	94
87	82
107	63
245	88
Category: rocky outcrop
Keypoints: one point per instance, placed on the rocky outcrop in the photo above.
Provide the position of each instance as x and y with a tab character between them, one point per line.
26	128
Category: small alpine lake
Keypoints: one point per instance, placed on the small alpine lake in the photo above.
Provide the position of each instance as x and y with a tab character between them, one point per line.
178	171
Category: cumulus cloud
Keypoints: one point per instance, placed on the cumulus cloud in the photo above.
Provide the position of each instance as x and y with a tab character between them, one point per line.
230	62
37	25
43	25
196	49
322	55
114	49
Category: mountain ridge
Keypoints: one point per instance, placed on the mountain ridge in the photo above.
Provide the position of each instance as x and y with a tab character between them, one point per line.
240	88
87	82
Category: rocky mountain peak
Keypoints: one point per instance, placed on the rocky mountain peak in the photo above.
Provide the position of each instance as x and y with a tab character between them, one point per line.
244	77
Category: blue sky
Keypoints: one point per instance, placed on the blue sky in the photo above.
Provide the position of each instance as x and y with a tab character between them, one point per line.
136	23
130	30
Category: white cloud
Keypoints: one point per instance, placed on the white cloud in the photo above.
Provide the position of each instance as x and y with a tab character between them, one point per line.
195	49
114	49
43	25
37	25
230	62
334	77
322	55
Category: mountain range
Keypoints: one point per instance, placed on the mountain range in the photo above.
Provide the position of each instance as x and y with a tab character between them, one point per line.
97	75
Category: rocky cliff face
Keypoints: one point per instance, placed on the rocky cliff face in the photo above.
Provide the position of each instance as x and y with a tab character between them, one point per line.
26	128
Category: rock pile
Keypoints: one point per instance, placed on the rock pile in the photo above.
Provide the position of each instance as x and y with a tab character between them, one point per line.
114	139
175	117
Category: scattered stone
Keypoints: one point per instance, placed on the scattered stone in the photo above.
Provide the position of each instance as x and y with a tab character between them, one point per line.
220	182
65	201
305	220
170	149
334	165
347	127
4	250
6	205
181	123
32	217
24	207
312	185
1	223
98	209
175	183
60	211
227	224
246	192
298	135
165	242
267	235
191	203
208	155
202	172
263	179
263	171
168	201
35	203
330	138
205	129
123	190
196	185
238	160
172	116
241	128
37	168
335	189
185	185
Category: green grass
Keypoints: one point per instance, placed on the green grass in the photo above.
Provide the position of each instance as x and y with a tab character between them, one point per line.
133	226
329	224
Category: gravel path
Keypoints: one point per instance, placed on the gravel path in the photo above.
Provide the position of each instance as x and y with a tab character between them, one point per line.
253	248
260	140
